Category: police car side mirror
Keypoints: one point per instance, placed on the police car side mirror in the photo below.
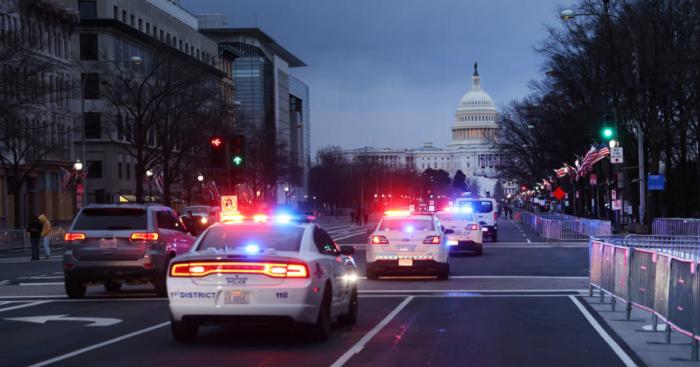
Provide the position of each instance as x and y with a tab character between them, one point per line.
347	250
449	231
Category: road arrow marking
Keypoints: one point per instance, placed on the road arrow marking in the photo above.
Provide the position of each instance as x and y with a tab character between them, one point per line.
95	321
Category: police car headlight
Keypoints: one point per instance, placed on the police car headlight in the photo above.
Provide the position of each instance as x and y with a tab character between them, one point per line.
350	278
452	242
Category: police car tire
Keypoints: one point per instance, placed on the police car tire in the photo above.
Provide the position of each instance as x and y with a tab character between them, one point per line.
444	272
371	272
160	285
74	288
350	318
112	286
183	331
321	329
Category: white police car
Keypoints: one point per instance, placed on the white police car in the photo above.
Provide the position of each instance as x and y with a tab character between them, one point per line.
264	270
408	243
467	234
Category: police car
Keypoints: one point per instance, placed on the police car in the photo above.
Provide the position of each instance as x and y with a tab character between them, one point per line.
266	270
485	210
467	234
408	243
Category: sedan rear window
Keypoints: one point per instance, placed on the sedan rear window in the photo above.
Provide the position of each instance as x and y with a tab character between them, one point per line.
111	219
252	238
406	225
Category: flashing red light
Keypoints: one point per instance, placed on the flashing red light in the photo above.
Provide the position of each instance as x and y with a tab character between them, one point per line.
379	240
144	236
473	227
397	213
272	270
216	142
68	237
432	240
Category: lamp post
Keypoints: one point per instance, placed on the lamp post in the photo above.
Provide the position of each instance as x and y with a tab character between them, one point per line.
136	60
200	179
569	14
79	190
149	175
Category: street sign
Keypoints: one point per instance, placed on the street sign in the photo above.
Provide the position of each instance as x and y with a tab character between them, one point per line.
593	179
431	208
613	194
559	193
616	156
93	321
412	207
577	195
656	182
229	204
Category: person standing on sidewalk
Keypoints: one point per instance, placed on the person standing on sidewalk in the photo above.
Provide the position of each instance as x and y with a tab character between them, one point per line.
45	234
34	230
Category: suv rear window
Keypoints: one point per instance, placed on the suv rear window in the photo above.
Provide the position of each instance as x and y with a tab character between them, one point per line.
111	219
239	237
478	206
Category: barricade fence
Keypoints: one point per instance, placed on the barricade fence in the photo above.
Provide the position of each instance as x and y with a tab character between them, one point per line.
18	239
676	226
556	226
653	273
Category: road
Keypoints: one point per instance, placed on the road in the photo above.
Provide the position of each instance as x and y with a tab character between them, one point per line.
516	305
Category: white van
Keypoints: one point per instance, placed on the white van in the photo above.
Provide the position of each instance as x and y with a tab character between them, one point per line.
485	209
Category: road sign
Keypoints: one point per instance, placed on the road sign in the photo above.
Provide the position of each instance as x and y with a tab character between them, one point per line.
616	156
93	321
617	204
412	207
229	204
656	182
559	193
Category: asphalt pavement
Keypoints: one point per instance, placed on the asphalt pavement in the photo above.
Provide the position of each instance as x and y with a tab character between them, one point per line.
516	305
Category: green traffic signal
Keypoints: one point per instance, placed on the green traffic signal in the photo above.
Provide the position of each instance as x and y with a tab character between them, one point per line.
608	133
237	160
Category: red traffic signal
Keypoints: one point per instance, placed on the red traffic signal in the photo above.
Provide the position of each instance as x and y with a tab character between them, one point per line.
216	142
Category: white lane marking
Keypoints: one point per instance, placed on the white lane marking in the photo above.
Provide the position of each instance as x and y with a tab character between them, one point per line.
475	295
97	297
615	347
650	327
515	277
22	261
30	304
361	343
363	246
470	290
99	345
528	240
43	277
93	321
348	236
5	302
4	282
43	283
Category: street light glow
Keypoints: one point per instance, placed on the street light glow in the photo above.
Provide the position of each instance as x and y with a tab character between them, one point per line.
200	178
78	165
567	14
149	173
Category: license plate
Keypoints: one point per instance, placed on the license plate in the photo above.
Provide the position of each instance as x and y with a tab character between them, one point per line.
405	262
237	298
108	243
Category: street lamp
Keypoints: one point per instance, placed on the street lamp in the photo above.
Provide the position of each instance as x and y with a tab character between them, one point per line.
78	165
149	174
136	60
568	14
200	178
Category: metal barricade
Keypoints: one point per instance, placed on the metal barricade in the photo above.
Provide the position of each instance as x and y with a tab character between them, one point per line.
595	261
607	279
621	273
643	279
13	240
661	285
676	226
681	295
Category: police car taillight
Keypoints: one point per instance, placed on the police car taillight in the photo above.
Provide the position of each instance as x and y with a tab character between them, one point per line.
273	270
378	240
432	240
473	227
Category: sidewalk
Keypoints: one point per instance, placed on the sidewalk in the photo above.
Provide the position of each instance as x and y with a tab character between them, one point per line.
637	334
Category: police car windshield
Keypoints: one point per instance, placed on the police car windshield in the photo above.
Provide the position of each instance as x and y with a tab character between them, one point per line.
401	224
477	206
252	238
445	216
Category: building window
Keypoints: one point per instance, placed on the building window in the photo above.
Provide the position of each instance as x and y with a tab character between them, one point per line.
128	171
140	25
119	170
93	128
88	9
91	82
133	22
94	169
148	28
124	16
88	46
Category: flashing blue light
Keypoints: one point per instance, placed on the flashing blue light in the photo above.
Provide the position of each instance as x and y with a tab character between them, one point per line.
408	229
283	218
252	248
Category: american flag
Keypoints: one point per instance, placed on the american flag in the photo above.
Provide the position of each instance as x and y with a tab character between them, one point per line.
212	190
66	177
159	180
592	157
561	172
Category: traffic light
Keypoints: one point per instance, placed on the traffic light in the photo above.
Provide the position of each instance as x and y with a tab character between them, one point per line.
237	153
608	131
217	152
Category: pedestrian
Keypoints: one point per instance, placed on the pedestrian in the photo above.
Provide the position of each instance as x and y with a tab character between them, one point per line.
190	223
352	216
366	217
34	230
359	216
46	234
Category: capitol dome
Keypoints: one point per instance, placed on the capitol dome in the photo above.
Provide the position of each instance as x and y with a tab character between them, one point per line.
476	98
475	119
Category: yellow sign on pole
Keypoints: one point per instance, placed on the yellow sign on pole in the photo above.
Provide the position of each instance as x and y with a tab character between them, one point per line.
229	204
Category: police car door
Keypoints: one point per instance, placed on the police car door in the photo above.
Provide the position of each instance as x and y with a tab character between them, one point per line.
332	263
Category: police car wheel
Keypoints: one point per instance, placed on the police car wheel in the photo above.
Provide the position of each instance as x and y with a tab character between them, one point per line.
112	286
183	331
371	272
74	287
444	272
321	330
159	283
350	318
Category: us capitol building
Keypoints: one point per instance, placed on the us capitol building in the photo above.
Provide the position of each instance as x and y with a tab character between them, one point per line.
473	149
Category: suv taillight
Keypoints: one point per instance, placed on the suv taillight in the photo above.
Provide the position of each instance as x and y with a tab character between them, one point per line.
144	236
473	227
72	236
432	240
378	240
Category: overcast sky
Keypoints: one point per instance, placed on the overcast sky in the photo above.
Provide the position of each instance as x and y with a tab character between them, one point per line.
390	73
